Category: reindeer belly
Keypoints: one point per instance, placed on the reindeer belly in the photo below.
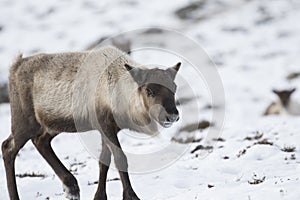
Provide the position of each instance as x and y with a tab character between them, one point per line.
52	101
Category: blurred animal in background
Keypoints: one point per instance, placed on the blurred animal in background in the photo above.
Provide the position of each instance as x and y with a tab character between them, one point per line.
285	105
4	93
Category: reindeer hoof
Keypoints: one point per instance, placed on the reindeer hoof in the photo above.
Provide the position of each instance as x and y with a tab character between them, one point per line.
71	192
100	196
130	195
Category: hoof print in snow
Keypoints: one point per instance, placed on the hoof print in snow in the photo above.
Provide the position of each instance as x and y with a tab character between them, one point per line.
210	186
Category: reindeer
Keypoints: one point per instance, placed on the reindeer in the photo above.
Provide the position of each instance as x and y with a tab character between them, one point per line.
47	89
285	105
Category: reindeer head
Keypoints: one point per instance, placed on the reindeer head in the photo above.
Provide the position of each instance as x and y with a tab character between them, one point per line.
157	90
284	95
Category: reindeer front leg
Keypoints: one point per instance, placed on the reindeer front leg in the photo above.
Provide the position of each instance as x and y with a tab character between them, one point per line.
112	144
122	165
104	162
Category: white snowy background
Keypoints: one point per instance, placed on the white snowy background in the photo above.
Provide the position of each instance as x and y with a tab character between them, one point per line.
255	44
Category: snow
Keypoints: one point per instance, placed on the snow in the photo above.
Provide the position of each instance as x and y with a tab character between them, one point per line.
253	56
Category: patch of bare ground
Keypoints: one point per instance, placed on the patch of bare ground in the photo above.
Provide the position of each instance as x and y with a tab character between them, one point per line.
108	180
196	126
201	147
257	135
264	142
255	180
259	140
187	140
31	175
218	139
288	149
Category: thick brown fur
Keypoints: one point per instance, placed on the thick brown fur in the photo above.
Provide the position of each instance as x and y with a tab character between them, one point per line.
51	93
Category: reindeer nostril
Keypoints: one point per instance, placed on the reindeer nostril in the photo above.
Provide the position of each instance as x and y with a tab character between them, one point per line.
173	118
176	112
168	119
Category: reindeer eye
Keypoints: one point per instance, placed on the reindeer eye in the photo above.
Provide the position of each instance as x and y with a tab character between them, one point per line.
149	92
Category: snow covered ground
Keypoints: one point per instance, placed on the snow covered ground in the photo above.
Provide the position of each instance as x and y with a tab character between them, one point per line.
255	44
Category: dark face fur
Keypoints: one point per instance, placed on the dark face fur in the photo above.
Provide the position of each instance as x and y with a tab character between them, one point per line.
160	103
284	96
158	98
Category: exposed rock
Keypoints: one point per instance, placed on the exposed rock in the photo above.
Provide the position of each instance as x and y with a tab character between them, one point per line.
188	11
201	9
196	126
201	147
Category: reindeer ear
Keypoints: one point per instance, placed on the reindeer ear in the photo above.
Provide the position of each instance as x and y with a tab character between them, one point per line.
177	66
137	74
132	70
275	91
292	90
173	70
128	67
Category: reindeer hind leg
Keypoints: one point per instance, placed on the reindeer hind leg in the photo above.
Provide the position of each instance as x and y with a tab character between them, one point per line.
10	148
70	185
